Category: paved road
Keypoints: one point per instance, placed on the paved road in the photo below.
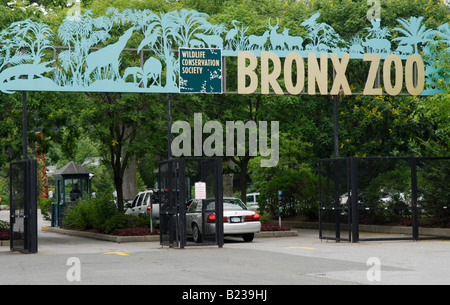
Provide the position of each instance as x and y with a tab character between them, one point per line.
267	261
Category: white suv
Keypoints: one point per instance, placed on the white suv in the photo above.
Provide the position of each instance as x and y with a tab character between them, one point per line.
144	203
252	201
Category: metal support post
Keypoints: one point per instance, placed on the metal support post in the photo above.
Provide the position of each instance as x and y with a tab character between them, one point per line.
219	201
169	126
336	174
415	217
354	182
320	199
336	126
24	125
181	202
336	201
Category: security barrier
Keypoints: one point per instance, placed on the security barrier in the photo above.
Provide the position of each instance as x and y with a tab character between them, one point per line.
180	181
382	190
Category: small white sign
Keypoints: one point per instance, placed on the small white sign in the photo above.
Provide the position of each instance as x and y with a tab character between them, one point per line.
200	190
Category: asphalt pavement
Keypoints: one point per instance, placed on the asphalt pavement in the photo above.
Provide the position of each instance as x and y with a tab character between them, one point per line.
297	260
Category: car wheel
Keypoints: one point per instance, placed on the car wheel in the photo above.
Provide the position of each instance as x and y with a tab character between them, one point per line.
196	234
248	237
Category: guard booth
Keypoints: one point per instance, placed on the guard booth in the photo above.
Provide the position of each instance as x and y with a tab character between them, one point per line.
72	182
181	181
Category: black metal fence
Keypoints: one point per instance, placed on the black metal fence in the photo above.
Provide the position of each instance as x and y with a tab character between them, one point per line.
411	191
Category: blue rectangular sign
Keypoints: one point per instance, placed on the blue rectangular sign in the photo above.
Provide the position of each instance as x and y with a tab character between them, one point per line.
200	70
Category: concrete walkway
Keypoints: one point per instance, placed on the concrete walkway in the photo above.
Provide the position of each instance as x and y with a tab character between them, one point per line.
303	259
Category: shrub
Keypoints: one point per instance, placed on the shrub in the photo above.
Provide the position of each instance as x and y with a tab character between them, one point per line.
135	232
46	208
101	214
89	214
264	219
4	230
4	225
299	187
274	227
4	235
102	210
77	216
123	221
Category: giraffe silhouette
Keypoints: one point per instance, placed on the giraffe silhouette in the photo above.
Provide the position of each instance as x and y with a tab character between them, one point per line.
107	56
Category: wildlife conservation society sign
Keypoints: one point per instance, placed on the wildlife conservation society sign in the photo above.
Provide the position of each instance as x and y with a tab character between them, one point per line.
200	70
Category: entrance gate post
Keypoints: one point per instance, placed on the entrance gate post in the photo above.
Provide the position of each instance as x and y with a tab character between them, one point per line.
415	217
23	206
354	188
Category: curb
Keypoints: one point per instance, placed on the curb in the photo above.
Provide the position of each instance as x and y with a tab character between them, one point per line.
266	234
437	232
105	237
149	238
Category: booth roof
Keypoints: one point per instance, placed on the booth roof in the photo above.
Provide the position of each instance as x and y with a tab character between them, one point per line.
72	168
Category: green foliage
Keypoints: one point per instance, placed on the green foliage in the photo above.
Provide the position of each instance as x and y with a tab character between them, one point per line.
433	178
90	214
77	216
101	215
299	189
382	125
124	221
46	208
4	225
293	176
436	109
393	183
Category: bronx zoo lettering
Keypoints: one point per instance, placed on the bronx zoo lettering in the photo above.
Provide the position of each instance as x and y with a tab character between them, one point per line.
413	74
213	145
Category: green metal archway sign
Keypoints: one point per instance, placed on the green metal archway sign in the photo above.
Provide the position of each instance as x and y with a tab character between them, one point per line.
30	62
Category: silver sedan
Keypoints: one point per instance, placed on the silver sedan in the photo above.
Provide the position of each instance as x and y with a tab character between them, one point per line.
237	220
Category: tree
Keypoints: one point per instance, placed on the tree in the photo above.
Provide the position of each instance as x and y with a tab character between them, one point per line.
292	175
415	32
126	125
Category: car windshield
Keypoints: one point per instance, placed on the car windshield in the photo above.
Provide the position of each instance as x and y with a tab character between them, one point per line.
233	204
228	204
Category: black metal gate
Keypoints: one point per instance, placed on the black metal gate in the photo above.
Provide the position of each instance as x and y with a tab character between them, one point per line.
23	206
176	187
381	190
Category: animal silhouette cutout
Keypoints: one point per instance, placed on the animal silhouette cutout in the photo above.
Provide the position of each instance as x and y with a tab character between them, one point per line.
152	69
29	70
195	43
107	56
404	49
211	40
292	41
276	40
231	34
258	42
376	45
